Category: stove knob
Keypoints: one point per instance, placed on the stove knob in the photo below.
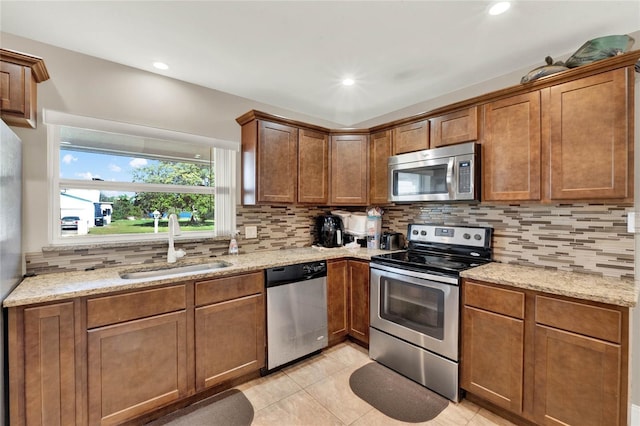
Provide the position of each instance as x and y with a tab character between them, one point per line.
466	236
414	232
477	237
423	233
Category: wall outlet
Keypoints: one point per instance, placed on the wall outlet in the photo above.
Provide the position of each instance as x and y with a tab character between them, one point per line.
631	222
251	232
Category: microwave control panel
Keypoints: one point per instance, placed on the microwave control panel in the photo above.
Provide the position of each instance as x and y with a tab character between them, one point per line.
464	177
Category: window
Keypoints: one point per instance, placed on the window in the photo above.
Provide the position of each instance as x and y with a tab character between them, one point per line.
123	181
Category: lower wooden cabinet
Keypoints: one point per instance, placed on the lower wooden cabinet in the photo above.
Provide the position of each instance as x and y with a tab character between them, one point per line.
337	300
136	366
494	348
110	359
229	335
348	300
577	379
42	374
547	359
359	300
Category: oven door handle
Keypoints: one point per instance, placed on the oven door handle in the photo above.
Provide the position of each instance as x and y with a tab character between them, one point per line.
423	275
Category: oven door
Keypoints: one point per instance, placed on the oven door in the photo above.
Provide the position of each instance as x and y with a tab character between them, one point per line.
419	308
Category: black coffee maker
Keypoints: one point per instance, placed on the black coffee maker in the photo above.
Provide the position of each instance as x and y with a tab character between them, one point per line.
329	231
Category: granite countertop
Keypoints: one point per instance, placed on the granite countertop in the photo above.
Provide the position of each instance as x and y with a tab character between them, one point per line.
66	285
614	291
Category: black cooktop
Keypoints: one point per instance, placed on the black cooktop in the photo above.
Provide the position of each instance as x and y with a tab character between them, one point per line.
446	250
428	261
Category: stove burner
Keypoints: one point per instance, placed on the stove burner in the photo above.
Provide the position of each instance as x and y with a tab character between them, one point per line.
435	261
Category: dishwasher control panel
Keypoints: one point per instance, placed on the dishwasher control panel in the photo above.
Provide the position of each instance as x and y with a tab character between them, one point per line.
293	273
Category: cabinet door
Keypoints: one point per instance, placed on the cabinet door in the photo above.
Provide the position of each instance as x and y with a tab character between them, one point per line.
511	149
136	366
590	149
313	167
455	127
277	163
577	379
359	300
349	170
337	300
230	340
493	357
49	367
16	85
411	137
379	153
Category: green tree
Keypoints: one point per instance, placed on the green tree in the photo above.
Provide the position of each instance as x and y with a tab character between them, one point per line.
172	173
123	207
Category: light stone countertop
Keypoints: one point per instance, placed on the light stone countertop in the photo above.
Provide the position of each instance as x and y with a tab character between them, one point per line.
67	285
614	291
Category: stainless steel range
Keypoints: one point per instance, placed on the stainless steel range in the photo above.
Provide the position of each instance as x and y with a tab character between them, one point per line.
415	303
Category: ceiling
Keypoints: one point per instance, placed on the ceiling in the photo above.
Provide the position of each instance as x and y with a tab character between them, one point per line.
294	54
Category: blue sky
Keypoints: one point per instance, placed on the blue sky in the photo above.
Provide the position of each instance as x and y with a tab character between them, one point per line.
86	165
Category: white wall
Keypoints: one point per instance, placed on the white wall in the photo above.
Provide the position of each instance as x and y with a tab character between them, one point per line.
85	85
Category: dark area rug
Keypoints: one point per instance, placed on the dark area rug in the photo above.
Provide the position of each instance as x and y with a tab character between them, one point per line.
229	408
395	395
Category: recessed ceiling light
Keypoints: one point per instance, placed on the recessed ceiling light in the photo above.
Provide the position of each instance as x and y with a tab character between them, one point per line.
348	82
499	8
161	65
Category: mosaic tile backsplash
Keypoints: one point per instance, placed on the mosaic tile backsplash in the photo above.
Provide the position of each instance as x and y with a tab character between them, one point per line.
588	238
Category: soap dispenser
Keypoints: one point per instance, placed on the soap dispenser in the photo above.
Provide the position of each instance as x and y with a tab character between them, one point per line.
233	244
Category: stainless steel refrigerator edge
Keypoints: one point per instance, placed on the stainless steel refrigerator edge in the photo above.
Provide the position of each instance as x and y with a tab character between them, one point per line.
10	236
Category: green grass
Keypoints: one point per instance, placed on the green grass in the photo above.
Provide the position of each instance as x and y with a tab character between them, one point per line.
145	226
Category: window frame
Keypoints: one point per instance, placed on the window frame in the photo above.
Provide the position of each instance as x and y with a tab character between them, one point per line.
224	191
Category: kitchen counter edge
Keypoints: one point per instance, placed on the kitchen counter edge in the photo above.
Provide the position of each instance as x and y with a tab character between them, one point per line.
68	285
609	290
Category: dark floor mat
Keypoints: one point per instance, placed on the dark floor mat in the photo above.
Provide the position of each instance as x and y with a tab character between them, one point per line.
230	408
395	395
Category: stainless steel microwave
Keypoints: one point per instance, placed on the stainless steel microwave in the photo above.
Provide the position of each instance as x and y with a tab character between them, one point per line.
444	174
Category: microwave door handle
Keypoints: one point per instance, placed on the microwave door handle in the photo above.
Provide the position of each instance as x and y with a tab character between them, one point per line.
450	180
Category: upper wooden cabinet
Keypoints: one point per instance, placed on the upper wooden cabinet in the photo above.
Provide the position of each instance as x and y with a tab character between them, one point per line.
19	74
349	170
380	149
590	137
411	137
269	163
313	167
511	149
566	142
562	138
454	127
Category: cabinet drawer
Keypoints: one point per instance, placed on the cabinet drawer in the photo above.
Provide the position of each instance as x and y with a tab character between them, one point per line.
589	320
125	307
498	300
221	289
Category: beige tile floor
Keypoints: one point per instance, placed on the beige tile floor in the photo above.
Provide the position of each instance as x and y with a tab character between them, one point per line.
316	392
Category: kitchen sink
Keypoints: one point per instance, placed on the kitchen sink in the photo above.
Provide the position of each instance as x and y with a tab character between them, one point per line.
174	270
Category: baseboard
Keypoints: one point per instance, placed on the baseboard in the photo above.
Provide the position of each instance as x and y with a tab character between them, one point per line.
635	415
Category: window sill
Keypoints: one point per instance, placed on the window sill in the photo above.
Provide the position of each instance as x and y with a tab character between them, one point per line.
64	246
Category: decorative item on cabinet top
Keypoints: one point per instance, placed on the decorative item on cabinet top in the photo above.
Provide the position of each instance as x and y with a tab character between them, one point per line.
21	72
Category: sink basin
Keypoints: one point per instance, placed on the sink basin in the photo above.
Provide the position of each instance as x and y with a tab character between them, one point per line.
175	270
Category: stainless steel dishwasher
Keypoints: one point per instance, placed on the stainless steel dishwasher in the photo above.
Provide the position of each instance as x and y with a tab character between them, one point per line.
296	311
